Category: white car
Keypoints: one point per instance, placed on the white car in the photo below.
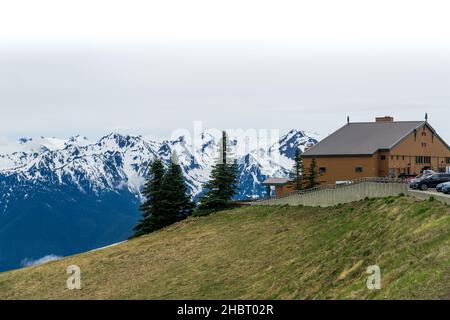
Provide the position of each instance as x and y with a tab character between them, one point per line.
343	182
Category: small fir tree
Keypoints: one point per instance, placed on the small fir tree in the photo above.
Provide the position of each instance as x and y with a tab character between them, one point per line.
151	207
297	170
312	175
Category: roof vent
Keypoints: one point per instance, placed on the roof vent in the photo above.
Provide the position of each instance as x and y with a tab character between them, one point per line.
384	119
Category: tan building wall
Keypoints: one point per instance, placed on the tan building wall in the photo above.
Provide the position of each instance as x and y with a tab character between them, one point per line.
401	159
280	190
342	168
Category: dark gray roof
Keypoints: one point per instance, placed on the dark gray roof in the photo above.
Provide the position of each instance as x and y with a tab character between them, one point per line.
276	181
364	138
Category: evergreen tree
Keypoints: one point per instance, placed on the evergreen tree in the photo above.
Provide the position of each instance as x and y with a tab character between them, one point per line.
297	170
176	203
312	175
166	196
222	184
151	207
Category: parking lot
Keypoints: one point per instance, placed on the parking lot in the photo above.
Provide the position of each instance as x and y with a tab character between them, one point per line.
430	193
433	192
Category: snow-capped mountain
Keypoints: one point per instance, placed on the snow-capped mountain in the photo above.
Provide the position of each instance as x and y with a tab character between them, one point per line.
121	161
82	194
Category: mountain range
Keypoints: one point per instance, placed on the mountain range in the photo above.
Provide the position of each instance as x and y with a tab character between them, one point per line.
65	196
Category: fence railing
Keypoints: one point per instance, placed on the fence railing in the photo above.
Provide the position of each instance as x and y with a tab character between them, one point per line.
334	186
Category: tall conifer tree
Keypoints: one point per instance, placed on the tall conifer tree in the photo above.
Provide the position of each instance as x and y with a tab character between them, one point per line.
297	170
222	185
167	200
152	205
312	175
177	204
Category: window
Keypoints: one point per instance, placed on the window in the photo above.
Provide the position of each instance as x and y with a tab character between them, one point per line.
392	157
398	157
424	134
424	144
422	159
322	170
447	160
383	157
359	169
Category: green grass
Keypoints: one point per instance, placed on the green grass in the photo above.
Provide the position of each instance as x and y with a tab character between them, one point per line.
265	252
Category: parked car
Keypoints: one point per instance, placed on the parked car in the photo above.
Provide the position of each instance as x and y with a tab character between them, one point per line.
430	181
407	177
425	173
446	189
441	186
343	183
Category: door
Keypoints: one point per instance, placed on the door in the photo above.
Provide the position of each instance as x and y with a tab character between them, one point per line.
434	181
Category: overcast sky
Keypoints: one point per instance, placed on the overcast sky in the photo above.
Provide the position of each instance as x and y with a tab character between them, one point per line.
144	67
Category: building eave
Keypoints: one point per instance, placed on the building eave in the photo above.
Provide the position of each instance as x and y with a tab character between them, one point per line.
338	155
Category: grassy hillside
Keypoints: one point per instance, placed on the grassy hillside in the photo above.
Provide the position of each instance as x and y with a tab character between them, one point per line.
266	253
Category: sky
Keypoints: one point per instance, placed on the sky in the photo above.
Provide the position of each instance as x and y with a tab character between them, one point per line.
154	67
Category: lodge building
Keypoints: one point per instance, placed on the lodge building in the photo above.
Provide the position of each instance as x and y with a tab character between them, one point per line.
384	148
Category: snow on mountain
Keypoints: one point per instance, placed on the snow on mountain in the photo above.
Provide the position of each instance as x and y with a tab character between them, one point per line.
15	154
121	161
65	196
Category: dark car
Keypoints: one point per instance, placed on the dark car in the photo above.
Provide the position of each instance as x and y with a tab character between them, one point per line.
430	181
424	174
440	187
446	189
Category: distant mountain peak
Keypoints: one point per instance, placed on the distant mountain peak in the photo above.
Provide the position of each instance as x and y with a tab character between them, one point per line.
25	140
123	159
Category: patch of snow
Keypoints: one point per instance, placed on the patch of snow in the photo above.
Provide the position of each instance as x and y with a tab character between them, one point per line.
30	262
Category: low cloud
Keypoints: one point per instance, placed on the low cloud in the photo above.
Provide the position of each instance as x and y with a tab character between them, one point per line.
30	262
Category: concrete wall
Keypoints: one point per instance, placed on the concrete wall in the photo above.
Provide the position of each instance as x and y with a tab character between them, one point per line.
343	194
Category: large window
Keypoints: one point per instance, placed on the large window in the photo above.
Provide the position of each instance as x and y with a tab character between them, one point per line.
423	159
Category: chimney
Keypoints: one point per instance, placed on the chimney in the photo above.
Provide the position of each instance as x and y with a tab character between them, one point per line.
384	119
